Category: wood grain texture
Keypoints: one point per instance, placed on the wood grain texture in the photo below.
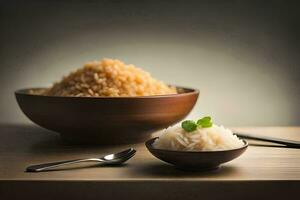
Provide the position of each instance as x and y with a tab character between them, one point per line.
275	168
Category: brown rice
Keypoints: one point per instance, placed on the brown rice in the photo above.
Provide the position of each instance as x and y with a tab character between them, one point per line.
110	78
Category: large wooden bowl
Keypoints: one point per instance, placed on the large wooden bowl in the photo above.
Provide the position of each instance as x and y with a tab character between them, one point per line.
106	120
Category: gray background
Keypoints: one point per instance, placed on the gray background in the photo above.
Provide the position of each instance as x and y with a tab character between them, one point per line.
242	55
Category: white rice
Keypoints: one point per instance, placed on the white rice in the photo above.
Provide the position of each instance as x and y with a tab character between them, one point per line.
202	139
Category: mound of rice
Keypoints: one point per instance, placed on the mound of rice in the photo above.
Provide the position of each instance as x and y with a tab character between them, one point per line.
110	78
202	139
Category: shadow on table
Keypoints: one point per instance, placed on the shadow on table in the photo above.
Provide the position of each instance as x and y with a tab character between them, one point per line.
23	136
165	170
36	140
80	167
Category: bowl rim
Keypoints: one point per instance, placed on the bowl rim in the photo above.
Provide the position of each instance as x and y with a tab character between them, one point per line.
149	143
190	91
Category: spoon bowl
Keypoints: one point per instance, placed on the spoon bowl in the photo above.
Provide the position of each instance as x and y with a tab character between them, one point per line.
120	157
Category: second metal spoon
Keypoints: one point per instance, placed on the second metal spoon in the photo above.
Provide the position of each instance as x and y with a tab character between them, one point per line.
288	143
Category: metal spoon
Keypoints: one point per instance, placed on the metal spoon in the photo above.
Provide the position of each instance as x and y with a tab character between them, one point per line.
111	159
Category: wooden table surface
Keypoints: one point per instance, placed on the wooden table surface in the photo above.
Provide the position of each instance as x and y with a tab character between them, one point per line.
262	171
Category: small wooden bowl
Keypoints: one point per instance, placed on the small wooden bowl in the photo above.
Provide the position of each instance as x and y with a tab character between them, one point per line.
195	160
106	120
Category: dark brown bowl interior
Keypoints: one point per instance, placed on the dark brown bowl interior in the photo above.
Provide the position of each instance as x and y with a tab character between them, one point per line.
106	120
195	160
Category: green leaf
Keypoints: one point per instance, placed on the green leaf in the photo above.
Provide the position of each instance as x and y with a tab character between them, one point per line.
206	125
205	122
189	125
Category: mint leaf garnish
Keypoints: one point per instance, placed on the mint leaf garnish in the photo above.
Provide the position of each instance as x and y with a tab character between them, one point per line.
205	122
189	125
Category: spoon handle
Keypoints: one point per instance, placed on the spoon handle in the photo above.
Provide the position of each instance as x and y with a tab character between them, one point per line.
48	166
289	143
